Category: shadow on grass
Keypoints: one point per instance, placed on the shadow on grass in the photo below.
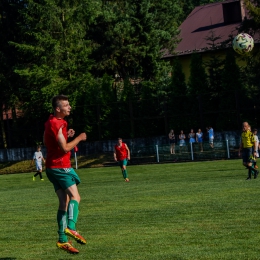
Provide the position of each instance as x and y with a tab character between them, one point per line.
97	160
16	167
8	258
7	164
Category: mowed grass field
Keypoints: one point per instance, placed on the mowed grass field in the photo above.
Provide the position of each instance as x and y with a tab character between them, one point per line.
181	211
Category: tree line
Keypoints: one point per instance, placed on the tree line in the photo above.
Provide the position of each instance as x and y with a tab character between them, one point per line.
106	55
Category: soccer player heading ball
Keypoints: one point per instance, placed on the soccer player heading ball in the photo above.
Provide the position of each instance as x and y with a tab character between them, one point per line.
60	173
121	155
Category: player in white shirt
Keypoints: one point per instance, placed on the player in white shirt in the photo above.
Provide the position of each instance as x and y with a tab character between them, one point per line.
257	141
38	158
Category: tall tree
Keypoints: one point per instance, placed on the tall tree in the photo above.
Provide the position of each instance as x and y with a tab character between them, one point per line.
231	79
198	81
54	54
251	25
129	36
9	82
178	85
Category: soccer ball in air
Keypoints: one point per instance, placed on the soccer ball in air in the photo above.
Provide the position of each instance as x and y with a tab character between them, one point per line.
243	43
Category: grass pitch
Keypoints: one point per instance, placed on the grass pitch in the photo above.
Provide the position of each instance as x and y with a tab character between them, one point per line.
183	211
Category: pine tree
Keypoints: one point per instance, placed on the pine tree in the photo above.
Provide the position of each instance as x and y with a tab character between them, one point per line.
231	73
9	82
179	87
198	81
53	52
129	36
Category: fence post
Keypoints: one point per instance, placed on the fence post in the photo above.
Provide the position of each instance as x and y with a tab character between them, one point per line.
157	153
191	151
228	154
75	155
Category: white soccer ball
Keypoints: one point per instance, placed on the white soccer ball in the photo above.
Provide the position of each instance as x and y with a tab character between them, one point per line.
243	43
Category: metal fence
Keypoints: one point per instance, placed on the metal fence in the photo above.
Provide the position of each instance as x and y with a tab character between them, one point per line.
227	149
141	152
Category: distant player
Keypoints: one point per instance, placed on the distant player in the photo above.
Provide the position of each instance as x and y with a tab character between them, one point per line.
257	142
60	173
121	155
38	159
248	148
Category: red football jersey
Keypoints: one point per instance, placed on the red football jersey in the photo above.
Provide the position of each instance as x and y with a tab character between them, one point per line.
121	152
56	158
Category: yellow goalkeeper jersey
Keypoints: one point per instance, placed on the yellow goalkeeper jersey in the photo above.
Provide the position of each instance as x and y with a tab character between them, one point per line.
247	139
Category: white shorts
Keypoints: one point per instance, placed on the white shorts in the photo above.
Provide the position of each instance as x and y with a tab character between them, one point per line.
38	166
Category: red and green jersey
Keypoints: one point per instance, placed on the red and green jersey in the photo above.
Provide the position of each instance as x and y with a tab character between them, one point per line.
56	158
121	152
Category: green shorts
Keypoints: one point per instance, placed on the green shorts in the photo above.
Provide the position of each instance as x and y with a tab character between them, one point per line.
62	178
122	163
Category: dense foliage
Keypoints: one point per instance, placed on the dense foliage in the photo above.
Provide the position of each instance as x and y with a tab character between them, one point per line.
106	55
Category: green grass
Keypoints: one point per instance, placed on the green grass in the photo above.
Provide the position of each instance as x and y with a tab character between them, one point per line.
202	210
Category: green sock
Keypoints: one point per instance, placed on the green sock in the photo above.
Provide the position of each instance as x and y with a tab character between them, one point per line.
125	174
72	213
62	224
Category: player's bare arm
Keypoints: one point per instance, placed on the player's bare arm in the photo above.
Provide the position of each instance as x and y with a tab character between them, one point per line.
115	158
66	147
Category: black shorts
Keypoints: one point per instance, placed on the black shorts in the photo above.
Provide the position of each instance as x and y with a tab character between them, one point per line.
246	153
172	141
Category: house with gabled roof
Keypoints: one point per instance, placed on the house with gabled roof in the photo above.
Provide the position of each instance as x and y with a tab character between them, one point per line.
208	28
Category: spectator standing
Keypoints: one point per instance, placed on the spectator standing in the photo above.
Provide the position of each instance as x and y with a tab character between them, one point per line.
172	141
211	136
199	139
182	138
191	136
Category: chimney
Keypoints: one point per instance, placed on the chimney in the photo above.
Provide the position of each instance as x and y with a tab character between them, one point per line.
232	12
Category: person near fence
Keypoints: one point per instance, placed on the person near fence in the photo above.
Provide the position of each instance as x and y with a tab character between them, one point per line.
182	138
122	155
60	173
199	139
172	141
248	146
191	137
211	136
38	159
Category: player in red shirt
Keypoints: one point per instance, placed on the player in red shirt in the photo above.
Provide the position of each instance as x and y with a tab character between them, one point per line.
60	173
121	155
